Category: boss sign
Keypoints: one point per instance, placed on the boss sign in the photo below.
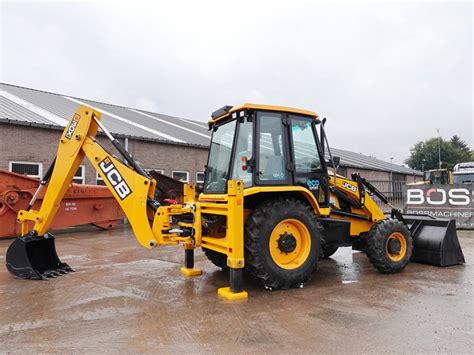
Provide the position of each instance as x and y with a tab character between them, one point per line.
439	196
443	201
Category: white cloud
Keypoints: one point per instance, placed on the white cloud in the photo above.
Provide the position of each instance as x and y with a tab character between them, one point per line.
255	96
145	103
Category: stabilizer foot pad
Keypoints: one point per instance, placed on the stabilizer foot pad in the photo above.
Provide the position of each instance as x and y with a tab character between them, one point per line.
226	293
190	272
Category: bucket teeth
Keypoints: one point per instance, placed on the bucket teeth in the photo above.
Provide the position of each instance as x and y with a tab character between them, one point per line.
66	268
49	274
55	273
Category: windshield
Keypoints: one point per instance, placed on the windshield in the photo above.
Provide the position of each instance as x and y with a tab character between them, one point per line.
463	178
219	158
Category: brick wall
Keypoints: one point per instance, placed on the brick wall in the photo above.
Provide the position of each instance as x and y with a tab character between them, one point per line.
39	145
169	157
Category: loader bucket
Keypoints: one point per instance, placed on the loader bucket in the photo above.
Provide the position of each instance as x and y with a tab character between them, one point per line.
35	258
435	241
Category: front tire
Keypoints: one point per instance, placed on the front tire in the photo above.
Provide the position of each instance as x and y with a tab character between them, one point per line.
282	243
389	246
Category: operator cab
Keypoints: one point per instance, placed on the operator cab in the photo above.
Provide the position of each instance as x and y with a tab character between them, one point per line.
266	146
437	176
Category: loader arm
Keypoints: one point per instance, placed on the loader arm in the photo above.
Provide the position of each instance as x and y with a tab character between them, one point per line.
131	189
361	211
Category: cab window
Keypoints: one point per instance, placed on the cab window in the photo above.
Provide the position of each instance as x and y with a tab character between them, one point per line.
219	158
243	154
271	159
304	146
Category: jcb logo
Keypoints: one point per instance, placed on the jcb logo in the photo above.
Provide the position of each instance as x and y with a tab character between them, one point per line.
114	177
349	186
438	197
72	126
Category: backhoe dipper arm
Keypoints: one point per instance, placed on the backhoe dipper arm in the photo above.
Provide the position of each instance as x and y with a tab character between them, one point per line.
132	190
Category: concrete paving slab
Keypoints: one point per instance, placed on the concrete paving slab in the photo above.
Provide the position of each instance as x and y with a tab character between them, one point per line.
128	299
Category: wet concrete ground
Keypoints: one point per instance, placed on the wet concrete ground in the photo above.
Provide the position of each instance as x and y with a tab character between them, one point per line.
125	298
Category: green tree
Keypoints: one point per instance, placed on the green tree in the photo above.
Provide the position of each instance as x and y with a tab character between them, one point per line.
462	146
424	155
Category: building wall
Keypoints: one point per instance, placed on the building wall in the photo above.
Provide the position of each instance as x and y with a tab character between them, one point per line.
169	157
413	178
39	145
370	175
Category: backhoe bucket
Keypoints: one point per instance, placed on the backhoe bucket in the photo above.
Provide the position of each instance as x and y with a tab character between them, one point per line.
435	241
35	258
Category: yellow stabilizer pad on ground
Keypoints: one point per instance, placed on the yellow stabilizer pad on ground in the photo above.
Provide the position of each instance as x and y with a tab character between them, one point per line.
226	293
190	272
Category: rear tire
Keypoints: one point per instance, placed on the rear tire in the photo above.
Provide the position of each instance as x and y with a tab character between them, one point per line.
389	246
282	243
218	259
329	250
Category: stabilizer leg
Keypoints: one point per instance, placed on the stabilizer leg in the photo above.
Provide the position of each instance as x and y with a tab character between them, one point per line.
188	269
234	291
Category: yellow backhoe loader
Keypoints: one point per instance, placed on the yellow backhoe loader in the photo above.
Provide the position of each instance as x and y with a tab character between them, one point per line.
269	204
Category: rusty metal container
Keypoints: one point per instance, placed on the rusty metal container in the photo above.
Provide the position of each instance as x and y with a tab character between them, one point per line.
82	204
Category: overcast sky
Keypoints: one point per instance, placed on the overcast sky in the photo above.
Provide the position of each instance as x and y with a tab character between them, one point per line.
385	74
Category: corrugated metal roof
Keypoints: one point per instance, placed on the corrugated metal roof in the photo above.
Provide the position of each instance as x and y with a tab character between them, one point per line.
11	110
361	161
49	110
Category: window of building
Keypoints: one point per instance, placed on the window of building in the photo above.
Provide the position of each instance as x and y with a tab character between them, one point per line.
80	175
34	170
200	178
182	176
98	179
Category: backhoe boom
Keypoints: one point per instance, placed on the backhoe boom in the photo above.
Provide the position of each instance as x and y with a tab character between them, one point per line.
130	189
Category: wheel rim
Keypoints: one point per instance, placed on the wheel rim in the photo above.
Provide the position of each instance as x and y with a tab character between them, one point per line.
396	246
290	244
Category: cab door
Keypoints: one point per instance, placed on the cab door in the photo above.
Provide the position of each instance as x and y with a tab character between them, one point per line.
272	166
309	168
